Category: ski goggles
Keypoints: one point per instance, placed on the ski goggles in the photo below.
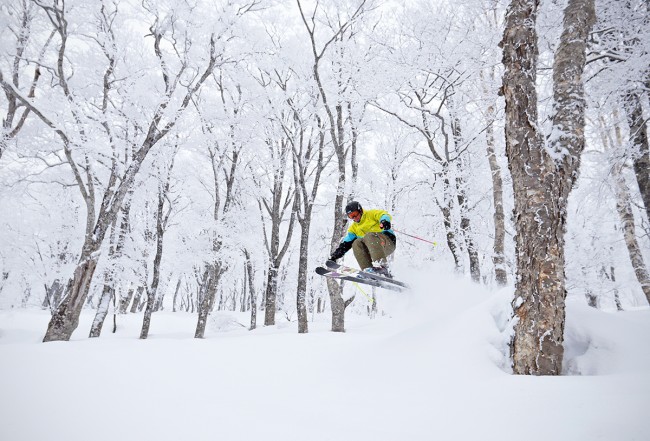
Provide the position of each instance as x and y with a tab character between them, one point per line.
354	214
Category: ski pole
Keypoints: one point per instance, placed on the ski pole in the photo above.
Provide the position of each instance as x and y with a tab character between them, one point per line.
435	244
370	299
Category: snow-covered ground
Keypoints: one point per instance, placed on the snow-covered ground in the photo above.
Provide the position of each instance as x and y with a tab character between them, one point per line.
435	369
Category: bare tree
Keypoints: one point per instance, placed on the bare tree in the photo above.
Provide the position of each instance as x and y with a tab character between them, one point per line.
425	99
306	149
337	132
276	206
163	212
542	177
225	159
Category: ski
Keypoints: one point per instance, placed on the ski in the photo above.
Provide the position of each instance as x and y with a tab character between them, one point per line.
358	278
354	271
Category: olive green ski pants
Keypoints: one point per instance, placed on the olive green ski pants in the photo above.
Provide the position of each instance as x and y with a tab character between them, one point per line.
373	247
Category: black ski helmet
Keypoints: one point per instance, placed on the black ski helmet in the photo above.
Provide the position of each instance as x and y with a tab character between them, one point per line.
352	207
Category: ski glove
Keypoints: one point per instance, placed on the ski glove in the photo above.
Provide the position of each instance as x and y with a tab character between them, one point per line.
343	248
385	225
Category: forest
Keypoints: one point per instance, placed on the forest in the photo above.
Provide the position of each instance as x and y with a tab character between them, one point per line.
196	156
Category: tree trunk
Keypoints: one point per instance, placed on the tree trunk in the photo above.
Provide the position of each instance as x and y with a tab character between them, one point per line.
211	277
66	318
137	299
446	209
305	203
251	288
474	263
498	256
108	293
461	195
125	301
206	300
624	208
53	295
115	251
301	292
640	148
161	222
542	185
270	295
175	306
338	305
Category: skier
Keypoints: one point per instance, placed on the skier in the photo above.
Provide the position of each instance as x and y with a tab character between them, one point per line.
371	238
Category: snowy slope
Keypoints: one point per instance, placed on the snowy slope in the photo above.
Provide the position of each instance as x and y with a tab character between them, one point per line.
435	369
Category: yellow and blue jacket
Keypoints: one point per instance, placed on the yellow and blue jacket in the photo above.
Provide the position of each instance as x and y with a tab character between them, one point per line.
369	223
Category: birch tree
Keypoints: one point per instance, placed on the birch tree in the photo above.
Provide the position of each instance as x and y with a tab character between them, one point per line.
542	176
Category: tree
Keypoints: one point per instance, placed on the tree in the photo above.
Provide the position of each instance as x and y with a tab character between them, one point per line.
621	49
308	150
276	200
334	110
116	247
224	151
624	205
542	177
163	212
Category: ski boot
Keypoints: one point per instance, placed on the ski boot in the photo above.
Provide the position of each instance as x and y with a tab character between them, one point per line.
380	270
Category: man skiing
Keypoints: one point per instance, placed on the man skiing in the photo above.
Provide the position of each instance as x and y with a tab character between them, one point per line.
371	238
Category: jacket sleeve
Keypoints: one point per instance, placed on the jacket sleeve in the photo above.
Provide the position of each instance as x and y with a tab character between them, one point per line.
344	246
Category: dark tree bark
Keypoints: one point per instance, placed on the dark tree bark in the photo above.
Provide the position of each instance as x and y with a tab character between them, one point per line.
250	274
162	217
115	252
302	156
542	180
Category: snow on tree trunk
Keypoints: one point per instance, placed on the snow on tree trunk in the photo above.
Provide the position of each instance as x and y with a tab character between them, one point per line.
498	256
211	280
301	290
640	149
542	178
250	273
102	309
624	209
162	217
66	317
